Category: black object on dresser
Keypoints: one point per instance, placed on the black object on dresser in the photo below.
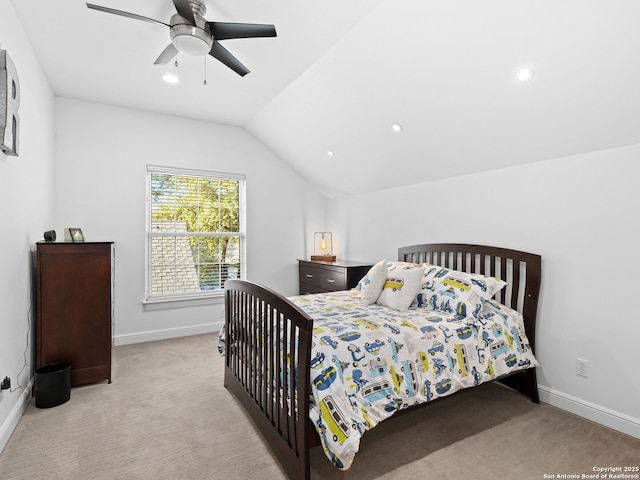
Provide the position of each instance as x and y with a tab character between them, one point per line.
320	277
74	294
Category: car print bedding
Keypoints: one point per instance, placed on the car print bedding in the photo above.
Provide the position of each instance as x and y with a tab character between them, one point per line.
369	361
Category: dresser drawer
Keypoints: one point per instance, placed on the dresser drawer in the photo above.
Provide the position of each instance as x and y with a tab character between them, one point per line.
324	278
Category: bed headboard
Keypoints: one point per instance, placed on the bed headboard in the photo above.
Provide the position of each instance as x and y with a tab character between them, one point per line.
521	271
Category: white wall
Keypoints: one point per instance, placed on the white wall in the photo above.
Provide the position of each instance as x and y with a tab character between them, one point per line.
101	157
26	193
581	214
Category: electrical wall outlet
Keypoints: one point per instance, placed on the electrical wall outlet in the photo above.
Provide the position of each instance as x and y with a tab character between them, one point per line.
582	367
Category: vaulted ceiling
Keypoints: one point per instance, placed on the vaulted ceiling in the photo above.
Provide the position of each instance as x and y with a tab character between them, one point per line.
340	73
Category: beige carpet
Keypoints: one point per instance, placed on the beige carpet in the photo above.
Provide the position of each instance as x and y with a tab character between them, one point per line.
167	416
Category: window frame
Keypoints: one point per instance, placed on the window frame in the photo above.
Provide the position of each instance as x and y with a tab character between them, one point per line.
152	302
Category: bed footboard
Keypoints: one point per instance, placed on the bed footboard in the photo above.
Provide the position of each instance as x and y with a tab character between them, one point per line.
268	345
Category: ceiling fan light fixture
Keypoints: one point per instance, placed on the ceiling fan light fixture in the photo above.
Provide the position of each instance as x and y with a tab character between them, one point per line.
191	40
192	45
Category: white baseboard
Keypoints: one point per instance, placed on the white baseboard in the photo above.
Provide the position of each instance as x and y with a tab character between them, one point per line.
153	335
15	415
596	413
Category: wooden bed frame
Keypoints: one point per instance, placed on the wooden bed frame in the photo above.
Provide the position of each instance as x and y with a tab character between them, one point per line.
254	370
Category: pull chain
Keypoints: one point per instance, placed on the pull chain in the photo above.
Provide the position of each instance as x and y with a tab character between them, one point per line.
205	70
176	62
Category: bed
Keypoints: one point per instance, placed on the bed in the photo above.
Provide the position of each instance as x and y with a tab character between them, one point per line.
327	383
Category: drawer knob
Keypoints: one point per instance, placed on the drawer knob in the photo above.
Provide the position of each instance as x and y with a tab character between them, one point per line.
331	280
308	275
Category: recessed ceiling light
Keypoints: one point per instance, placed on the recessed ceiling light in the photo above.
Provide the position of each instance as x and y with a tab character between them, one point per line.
330	153
396	127
170	78
524	74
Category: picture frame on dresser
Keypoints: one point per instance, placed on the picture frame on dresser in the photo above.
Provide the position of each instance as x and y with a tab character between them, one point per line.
76	235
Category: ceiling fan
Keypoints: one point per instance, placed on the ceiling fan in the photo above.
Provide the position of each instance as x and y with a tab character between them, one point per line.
192	34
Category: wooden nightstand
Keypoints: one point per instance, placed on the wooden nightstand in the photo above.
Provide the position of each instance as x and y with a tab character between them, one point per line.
319	277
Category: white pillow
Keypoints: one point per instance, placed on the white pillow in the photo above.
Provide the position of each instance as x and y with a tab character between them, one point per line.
402	285
372	283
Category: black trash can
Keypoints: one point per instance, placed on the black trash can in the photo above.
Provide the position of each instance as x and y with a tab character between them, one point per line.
53	385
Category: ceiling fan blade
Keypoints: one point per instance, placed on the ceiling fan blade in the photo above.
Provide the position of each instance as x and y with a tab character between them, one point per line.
222	54
225	30
184	10
166	55
124	14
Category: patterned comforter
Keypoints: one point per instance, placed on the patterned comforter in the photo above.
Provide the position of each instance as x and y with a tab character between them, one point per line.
368	362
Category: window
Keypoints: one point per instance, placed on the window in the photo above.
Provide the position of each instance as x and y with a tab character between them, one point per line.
195	232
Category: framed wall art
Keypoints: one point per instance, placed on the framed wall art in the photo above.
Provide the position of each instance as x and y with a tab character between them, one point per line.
9	104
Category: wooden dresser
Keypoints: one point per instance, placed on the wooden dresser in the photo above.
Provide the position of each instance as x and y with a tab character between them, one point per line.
74	308
319	277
